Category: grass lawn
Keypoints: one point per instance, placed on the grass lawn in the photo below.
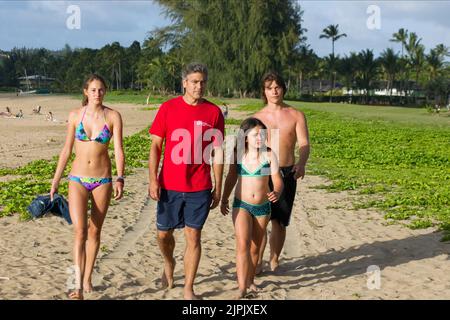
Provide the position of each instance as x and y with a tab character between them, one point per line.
400	155
399	158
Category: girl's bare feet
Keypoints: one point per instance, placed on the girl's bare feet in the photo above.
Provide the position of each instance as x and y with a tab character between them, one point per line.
253	288
259	268
241	294
273	265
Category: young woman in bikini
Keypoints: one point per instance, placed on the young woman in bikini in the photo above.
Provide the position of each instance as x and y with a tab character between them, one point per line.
90	129
251	168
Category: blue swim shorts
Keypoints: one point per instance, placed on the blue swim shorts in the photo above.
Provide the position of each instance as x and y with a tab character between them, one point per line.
176	210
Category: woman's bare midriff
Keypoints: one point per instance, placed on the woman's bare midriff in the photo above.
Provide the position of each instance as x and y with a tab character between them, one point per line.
91	160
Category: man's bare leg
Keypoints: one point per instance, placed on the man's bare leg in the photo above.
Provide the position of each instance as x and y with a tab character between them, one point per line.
166	243
277	238
191	260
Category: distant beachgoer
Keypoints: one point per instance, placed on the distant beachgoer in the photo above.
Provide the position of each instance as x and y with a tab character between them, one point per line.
251	168
90	176
225	111
20	114
37	110
49	116
7	113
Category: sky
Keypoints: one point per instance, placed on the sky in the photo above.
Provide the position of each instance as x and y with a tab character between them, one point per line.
368	24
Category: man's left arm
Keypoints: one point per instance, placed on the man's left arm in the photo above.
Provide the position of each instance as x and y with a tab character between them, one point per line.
301	130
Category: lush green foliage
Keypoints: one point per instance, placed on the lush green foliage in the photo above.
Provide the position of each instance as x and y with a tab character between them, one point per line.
35	177
399	158
211	31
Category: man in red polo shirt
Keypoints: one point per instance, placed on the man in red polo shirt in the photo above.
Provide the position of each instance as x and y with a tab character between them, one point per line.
192	129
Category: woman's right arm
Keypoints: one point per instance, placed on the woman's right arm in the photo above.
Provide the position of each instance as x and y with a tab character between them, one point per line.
65	153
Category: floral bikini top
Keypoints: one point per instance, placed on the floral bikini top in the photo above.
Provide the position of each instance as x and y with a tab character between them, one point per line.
103	137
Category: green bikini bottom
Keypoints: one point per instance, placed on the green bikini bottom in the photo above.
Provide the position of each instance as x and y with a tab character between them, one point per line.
256	210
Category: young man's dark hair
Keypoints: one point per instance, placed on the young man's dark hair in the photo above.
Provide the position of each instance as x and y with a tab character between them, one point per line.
270	77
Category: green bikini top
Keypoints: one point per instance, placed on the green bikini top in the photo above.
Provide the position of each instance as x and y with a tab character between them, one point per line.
262	170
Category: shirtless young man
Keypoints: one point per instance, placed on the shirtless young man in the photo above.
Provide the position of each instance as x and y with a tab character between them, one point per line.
292	128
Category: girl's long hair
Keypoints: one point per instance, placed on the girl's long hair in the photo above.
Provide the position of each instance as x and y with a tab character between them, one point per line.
247	125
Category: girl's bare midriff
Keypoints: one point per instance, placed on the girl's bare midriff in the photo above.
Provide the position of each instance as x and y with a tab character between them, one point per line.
253	190
91	160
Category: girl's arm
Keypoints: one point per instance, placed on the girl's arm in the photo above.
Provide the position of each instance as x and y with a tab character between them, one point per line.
119	155
65	153
277	181
230	182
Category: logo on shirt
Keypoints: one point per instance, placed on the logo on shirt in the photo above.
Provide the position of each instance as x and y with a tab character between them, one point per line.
202	124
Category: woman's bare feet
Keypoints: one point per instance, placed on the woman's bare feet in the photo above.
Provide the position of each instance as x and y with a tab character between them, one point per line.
87	287
76	295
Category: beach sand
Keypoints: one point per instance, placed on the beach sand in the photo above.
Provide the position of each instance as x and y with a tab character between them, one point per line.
328	249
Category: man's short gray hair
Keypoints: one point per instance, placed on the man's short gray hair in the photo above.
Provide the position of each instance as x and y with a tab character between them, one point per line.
194	67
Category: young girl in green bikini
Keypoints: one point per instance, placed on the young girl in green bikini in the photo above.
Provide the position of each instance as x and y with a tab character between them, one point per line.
251	169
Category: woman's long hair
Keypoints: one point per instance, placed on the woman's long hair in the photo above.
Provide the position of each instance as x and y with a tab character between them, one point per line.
88	81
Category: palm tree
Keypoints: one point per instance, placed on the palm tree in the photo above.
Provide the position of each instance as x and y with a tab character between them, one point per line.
305	61
401	36
416	55
332	32
368	69
347	68
435	63
389	62
442	50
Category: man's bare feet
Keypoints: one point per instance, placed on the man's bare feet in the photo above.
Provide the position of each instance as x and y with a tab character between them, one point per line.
167	275
190	295
76	295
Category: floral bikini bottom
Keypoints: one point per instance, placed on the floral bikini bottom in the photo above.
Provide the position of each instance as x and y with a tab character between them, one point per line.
90	183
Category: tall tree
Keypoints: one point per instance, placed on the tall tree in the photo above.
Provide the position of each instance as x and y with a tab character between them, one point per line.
239	40
348	68
332	32
401	36
368	70
390	63
416	55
